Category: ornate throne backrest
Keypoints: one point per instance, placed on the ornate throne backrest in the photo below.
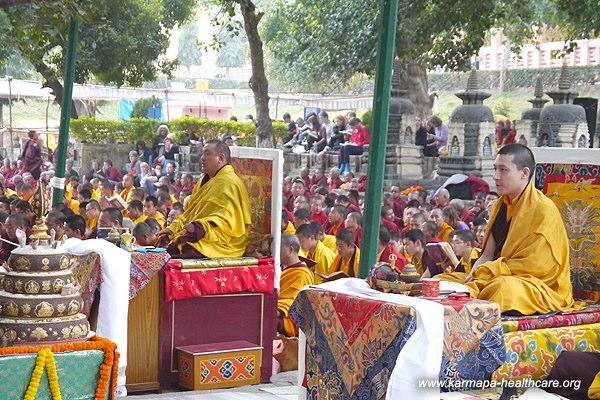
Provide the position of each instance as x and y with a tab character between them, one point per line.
261	170
571	178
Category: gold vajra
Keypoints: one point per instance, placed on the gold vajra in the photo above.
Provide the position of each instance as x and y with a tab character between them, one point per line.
393	259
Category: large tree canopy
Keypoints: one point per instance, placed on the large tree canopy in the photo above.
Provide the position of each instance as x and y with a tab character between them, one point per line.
318	46
325	43
189	52
227	17
232	52
120	41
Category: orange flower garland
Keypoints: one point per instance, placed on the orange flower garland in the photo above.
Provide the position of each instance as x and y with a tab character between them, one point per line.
411	189
110	364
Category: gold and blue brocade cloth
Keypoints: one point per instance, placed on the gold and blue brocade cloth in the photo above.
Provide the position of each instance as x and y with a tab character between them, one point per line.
78	374
353	342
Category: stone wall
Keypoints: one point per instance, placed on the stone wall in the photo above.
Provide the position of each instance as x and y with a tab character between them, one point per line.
86	152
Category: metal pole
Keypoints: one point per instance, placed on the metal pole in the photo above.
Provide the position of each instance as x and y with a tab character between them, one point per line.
10	121
167	103
381	102
47	110
65	111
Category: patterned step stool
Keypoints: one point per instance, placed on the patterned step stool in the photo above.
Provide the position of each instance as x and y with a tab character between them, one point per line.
219	365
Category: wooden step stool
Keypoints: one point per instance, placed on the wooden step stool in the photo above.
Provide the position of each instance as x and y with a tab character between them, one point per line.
219	365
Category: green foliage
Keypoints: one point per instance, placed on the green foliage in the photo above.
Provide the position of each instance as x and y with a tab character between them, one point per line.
95	131
503	107
189	52
366	119
120	41
141	107
91	130
318	46
517	78
20	68
6	40
232	53
581	17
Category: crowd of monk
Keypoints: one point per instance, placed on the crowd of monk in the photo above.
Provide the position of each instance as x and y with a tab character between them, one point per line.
512	244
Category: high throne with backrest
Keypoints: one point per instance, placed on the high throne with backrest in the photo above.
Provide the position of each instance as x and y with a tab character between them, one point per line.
214	305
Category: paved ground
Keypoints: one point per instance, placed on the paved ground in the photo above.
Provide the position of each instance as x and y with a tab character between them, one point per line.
283	386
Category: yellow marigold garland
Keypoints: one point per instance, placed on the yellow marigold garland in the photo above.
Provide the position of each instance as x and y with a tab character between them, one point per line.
45	359
108	369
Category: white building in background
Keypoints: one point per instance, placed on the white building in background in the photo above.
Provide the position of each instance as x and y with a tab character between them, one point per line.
587	52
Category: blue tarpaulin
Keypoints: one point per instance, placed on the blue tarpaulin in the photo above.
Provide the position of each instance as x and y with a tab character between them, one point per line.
126	107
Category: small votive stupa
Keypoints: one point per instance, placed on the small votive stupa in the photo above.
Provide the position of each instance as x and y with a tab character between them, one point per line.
528	125
39	302
562	124
471	135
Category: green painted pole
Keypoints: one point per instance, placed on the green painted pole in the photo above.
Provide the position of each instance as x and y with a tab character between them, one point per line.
381	103
65	111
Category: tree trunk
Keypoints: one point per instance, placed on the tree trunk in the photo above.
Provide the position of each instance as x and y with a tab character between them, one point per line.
258	81
504	66
414	79
57	88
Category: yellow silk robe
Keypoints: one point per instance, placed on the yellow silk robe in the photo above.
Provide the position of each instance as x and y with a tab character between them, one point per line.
159	218
292	280
142	218
532	274
74	206
444	232
339	264
324	258
594	390
222	206
329	242
126	194
290	229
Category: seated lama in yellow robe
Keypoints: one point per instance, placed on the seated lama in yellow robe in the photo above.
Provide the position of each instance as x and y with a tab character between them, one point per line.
349	266
293	278
324	258
531	272
222	207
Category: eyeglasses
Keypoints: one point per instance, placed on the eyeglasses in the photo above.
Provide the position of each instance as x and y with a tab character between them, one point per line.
457	242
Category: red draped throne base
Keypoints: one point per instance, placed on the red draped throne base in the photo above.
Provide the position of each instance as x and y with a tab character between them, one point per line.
217	305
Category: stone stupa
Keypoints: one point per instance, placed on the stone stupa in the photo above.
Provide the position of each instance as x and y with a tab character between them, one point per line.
562	124
471	135
530	118
403	159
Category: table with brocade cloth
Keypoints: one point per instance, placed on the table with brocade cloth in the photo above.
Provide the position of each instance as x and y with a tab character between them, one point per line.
143	320
352	342
88	272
